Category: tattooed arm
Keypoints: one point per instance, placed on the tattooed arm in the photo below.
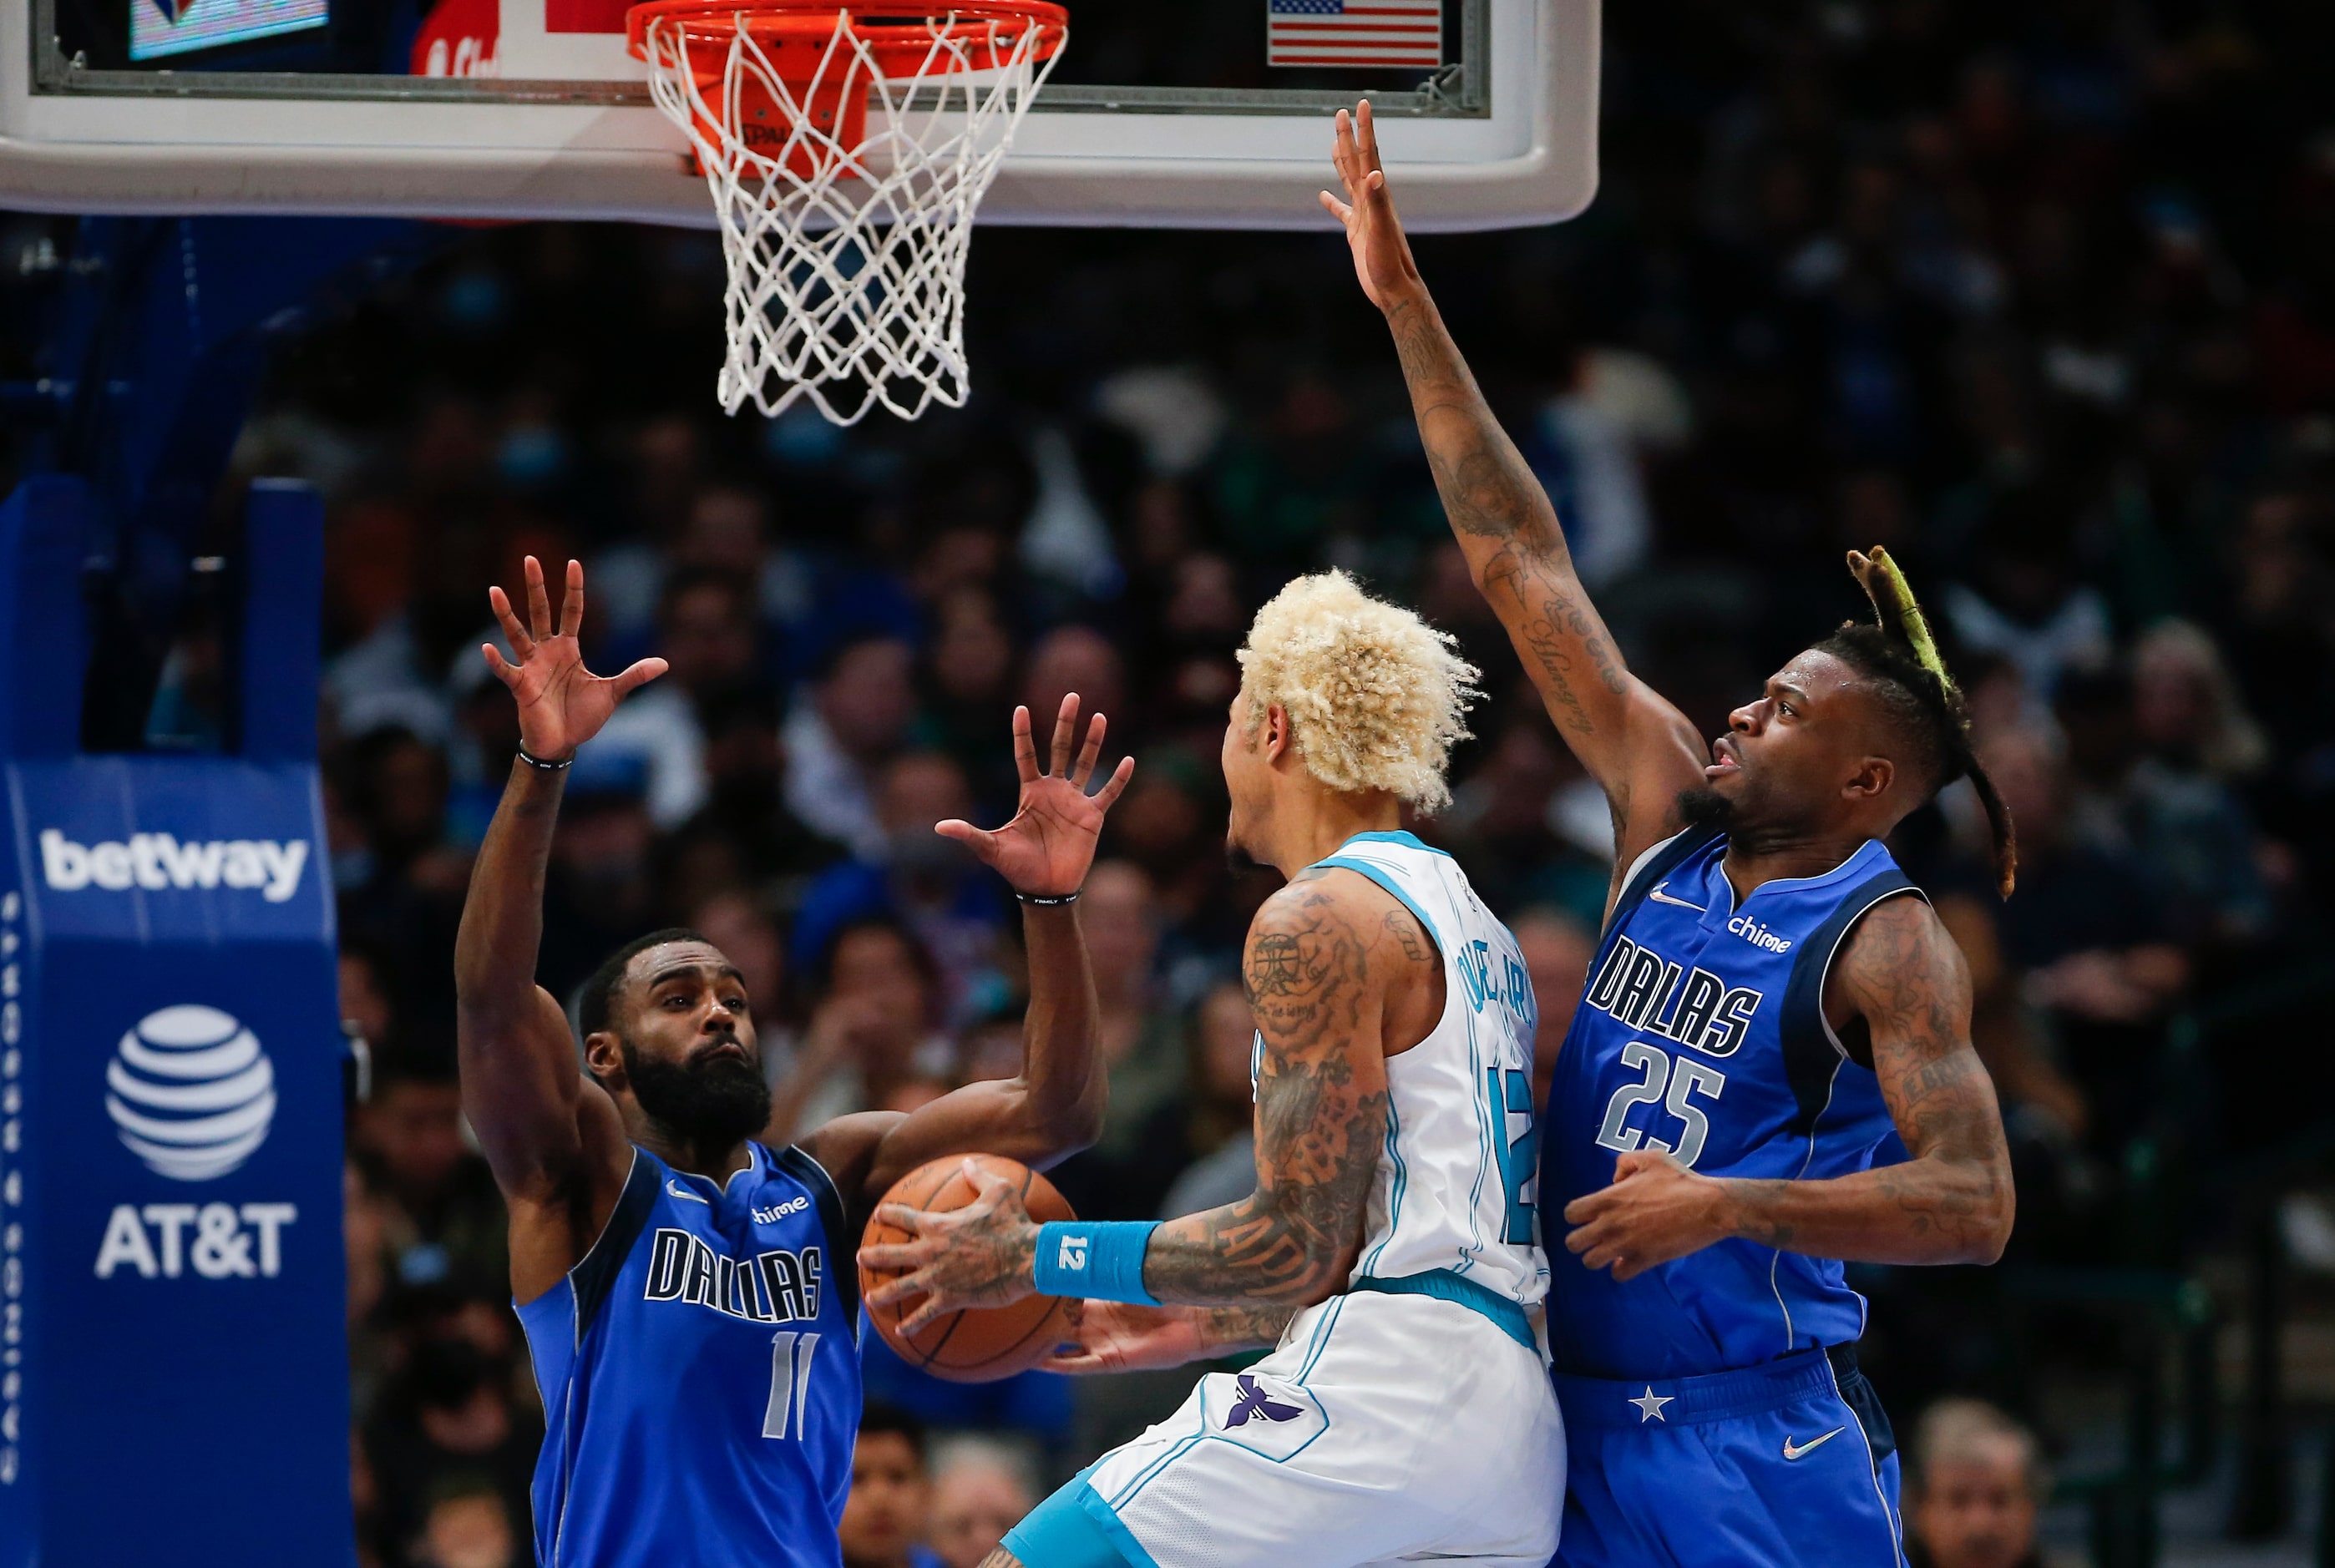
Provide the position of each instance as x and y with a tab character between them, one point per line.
1951	1204
1319	953
1640	749
1326	956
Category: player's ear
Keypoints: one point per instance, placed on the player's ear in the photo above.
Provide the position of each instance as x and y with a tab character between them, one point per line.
1872	779
604	1058
1280	739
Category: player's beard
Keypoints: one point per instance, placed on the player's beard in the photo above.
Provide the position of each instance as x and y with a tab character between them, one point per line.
1705	808
711	1104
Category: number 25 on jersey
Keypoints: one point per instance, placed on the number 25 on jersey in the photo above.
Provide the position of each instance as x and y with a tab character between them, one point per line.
1670	1083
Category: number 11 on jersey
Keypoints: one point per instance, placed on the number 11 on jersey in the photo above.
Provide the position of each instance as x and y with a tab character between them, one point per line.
790	1355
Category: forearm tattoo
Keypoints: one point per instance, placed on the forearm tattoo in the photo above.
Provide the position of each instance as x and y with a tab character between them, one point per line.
1318	1129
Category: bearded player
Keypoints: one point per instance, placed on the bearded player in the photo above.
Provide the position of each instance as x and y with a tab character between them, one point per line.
686	1288
1771	998
1388	1253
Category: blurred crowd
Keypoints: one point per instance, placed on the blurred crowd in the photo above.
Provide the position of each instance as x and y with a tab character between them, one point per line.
2040	295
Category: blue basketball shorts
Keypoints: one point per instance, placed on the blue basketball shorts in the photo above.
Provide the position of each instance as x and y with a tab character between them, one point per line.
1787	1464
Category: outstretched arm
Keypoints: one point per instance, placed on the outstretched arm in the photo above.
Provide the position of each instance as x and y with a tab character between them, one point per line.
552	1137
1951	1204
1321	955
1054	1106
1641	749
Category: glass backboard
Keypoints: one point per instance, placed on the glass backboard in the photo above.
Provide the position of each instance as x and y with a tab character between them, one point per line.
1192	113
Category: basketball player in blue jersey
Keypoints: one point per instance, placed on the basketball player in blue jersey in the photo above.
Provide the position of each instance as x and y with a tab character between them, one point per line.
687	1289
1387	1254
1770	998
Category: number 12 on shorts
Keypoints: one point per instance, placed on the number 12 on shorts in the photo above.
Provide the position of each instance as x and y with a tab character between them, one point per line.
1669	1085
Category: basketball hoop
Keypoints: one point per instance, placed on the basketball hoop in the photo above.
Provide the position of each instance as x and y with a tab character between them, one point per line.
846	147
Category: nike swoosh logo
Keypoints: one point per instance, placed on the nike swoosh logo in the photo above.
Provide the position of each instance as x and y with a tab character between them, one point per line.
1790	1452
682	1192
1659	896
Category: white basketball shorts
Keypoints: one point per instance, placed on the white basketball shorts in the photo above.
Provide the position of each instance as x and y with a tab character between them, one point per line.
1384	1428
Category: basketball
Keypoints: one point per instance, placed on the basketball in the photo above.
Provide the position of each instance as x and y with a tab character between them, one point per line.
977	1345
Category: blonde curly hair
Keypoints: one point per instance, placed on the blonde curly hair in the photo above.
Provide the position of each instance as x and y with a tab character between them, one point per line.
1375	696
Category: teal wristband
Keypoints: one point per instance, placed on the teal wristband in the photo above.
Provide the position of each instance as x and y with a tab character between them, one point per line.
1101	1260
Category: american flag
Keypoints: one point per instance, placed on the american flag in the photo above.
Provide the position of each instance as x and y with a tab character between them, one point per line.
1407	32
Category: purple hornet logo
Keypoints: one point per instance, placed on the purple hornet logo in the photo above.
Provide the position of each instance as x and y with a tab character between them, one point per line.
1255	1401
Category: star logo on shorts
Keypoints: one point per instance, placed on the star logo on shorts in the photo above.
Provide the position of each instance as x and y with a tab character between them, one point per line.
1650	1406
1254	1401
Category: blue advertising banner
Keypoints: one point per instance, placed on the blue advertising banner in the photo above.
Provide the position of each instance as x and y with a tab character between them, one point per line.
171	1290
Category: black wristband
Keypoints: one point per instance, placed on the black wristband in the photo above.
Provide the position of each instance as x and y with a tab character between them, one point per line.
532	761
1044	902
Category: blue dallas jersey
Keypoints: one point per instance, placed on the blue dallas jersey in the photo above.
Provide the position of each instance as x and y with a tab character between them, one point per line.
700	1375
1702	1033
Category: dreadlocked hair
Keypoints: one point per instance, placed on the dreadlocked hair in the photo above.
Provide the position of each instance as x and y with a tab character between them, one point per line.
1895	654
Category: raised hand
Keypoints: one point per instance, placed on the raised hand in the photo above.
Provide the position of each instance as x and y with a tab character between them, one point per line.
984	1254
1381	254
561	704
1045	850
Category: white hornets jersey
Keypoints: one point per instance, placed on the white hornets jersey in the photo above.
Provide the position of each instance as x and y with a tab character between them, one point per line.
1451	1205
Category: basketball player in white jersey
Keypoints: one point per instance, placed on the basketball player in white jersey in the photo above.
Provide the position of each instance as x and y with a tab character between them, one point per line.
1388	1253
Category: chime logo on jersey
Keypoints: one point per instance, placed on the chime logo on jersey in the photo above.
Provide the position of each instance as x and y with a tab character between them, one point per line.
1692	1006
773	1287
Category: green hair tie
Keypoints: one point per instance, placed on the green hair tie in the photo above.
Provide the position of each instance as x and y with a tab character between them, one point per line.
1893	602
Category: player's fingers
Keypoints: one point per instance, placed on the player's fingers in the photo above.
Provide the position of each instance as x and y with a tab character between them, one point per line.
1066	732
1116	785
639	675
571	603
1025	748
915	1222
981	840
1366	134
1336	209
914	1322
889	1290
505	616
497	665
538	601
1084	768
1075	1362
1587	1207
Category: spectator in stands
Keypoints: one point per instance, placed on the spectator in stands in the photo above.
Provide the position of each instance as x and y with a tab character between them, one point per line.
449	1413
889	1510
468	1526
745	835
981	1489
439	1216
928	882
1978	1480
1557	949
852	721
873	1041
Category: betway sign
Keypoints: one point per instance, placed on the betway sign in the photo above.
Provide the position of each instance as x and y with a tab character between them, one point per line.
159	861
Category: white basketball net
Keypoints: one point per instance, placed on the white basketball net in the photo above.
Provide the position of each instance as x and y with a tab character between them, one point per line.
847	263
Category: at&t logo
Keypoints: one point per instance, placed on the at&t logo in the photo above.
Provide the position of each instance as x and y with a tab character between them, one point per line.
190	1092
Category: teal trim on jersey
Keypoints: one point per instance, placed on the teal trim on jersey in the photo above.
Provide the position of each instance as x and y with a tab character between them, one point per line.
1407	840
1380	875
1401	1180
1075	1528
1446	1286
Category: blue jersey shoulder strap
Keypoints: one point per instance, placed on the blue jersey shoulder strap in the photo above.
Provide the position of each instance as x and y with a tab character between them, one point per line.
596	1276
1811	1053
843	1269
1661	860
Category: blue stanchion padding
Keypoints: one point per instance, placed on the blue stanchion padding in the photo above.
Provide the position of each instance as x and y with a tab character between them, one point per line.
173	1374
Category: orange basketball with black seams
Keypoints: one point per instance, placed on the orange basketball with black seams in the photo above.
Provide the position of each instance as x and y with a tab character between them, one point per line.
978	1344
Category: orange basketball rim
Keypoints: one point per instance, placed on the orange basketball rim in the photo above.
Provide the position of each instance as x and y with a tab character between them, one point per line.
847	148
